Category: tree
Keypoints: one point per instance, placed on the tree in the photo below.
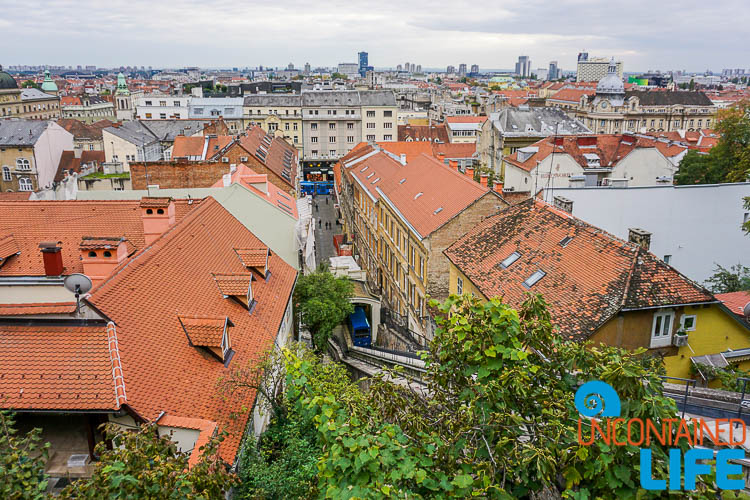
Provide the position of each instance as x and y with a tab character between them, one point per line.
746	225
29	84
729	160
496	419
22	460
323	303
691	85
338	76
143	465
734	279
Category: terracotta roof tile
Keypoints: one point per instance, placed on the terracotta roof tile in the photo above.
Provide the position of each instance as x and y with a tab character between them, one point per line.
735	301
37	308
31	222
273	152
466	119
588	279
8	247
204	331
56	368
207	430
155	202
253	257
233	284
175	275
270	192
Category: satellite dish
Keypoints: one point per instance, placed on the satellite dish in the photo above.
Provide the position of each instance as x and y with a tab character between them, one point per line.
78	284
746	312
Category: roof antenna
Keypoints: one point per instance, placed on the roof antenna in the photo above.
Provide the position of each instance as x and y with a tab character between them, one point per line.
78	284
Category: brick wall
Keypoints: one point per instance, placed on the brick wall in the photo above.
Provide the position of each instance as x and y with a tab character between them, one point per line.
176	175
438	268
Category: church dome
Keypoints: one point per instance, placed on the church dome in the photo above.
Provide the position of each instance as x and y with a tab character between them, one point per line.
611	84
48	85
7	81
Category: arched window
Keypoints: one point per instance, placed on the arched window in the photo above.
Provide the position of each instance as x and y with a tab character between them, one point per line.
6	174
23	164
24	184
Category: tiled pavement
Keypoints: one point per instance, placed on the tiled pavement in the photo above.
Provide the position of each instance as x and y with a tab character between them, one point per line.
324	212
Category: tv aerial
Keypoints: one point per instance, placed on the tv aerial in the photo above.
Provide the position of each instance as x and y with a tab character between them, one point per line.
78	284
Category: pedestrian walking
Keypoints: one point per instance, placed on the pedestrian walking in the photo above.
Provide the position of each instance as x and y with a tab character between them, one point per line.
319	222
326	200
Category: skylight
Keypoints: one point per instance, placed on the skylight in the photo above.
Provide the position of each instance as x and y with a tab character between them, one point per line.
376	180
440	209
418	195
534	278
564	242
402	181
365	168
371	174
510	259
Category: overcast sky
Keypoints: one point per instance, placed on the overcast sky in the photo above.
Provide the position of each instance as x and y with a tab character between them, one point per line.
645	34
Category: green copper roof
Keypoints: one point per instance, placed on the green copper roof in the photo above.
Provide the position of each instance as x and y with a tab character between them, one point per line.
48	85
122	86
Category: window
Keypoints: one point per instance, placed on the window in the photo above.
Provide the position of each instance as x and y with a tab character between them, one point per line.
371	114
350	139
332	152
332	139
6	174
350	126
314	153
24	184
294	126
661	330
371	138
370	125
331	126
510	259
388	125
687	322
313	139
176	103
148	116
421	267
163	103
534	278
313	126
388	114
23	164
243	158
286	126
162	116
296	139
459	286
148	103
667	259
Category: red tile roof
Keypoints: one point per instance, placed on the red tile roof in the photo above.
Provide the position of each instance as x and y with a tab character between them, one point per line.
610	148
185	146
423	133
37	308
56	368
273	152
466	119
425	191
735	301
175	276
15	196
233	284
31	222
207	430
588	280
271	193
204	331
572	96
253	257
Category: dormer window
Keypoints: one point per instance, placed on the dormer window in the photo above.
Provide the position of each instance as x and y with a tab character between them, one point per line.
210	333
255	259
238	287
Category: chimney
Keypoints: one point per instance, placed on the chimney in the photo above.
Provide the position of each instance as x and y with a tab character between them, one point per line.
52	257
640	237
403	158
483	179
453	164
158	215
470	172
498	187
564	204
100	256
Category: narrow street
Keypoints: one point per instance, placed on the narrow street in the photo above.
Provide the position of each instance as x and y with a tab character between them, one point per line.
323	212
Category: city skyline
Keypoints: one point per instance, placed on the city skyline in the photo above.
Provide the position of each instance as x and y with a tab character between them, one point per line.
136	33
